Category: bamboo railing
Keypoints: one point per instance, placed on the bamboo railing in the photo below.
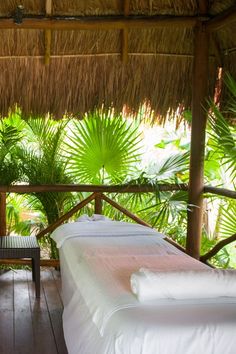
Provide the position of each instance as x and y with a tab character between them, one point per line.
98	197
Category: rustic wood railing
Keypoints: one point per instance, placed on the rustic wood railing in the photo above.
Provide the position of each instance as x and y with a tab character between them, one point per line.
98	197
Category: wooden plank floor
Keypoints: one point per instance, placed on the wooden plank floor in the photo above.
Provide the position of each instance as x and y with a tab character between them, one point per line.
29	325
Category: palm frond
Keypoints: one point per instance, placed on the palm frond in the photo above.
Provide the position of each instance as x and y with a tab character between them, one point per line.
104	148
222	133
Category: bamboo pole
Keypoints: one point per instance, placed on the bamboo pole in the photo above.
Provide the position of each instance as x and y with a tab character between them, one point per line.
100	23
125	188
124	211
99	55
3	226
120	22
196	182
48	33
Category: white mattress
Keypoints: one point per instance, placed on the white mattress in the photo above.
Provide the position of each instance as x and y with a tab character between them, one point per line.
101	315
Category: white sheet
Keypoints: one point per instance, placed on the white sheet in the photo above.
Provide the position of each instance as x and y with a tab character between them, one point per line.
100	228
110	320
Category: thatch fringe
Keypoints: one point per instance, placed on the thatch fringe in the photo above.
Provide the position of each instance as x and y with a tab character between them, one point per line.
77	85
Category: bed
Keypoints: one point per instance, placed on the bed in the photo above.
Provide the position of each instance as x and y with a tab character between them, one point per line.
103	316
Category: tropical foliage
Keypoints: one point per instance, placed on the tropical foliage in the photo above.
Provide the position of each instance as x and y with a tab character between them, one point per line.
10	166
107	149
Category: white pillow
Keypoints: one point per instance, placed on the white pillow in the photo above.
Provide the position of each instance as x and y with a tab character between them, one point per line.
94	217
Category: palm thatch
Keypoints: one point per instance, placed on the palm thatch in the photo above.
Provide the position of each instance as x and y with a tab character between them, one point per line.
85	67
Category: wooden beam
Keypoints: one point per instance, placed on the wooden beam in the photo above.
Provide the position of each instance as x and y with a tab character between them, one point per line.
223	19
65	217
172	242
100	23
98	203
124	211
217	248
126	7
203	7
199	116
43	262
125	188
220	191
48	33
3	225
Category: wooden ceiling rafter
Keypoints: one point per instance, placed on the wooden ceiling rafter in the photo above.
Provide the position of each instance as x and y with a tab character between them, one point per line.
203	7
120	22
100	22
223	19
48	33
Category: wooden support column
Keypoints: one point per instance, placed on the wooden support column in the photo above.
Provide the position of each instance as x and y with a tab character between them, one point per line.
199	116
48	33
98	204
125	44
3	224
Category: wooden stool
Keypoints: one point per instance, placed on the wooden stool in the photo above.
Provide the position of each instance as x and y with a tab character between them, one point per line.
23	247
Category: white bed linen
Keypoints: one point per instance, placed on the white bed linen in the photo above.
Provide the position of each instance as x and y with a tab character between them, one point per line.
100	228
108	319
148	284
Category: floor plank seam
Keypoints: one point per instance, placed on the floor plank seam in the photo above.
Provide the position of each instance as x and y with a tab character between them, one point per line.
58	290
50	318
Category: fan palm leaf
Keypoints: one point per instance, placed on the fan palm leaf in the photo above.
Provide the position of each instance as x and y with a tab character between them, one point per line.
103	148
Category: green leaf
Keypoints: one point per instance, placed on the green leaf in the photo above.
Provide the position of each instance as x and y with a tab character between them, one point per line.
104	149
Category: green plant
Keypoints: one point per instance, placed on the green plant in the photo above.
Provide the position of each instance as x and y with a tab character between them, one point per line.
10	137
222	133
104	148
43	163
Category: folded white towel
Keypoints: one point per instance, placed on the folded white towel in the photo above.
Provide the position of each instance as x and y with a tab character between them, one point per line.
150	285
94	217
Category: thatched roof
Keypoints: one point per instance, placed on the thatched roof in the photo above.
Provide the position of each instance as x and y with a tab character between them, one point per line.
86	66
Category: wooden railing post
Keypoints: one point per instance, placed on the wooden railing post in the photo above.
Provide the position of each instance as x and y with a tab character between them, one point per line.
3	223
98	204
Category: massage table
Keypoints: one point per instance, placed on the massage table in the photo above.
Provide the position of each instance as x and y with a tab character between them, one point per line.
103	316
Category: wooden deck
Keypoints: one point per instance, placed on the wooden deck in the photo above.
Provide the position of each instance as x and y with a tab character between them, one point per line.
29	325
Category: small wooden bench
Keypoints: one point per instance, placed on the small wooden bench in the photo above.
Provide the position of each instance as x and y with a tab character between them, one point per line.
23	247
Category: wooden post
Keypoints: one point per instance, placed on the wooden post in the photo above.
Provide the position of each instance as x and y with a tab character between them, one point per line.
3	224
199	116
98	204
